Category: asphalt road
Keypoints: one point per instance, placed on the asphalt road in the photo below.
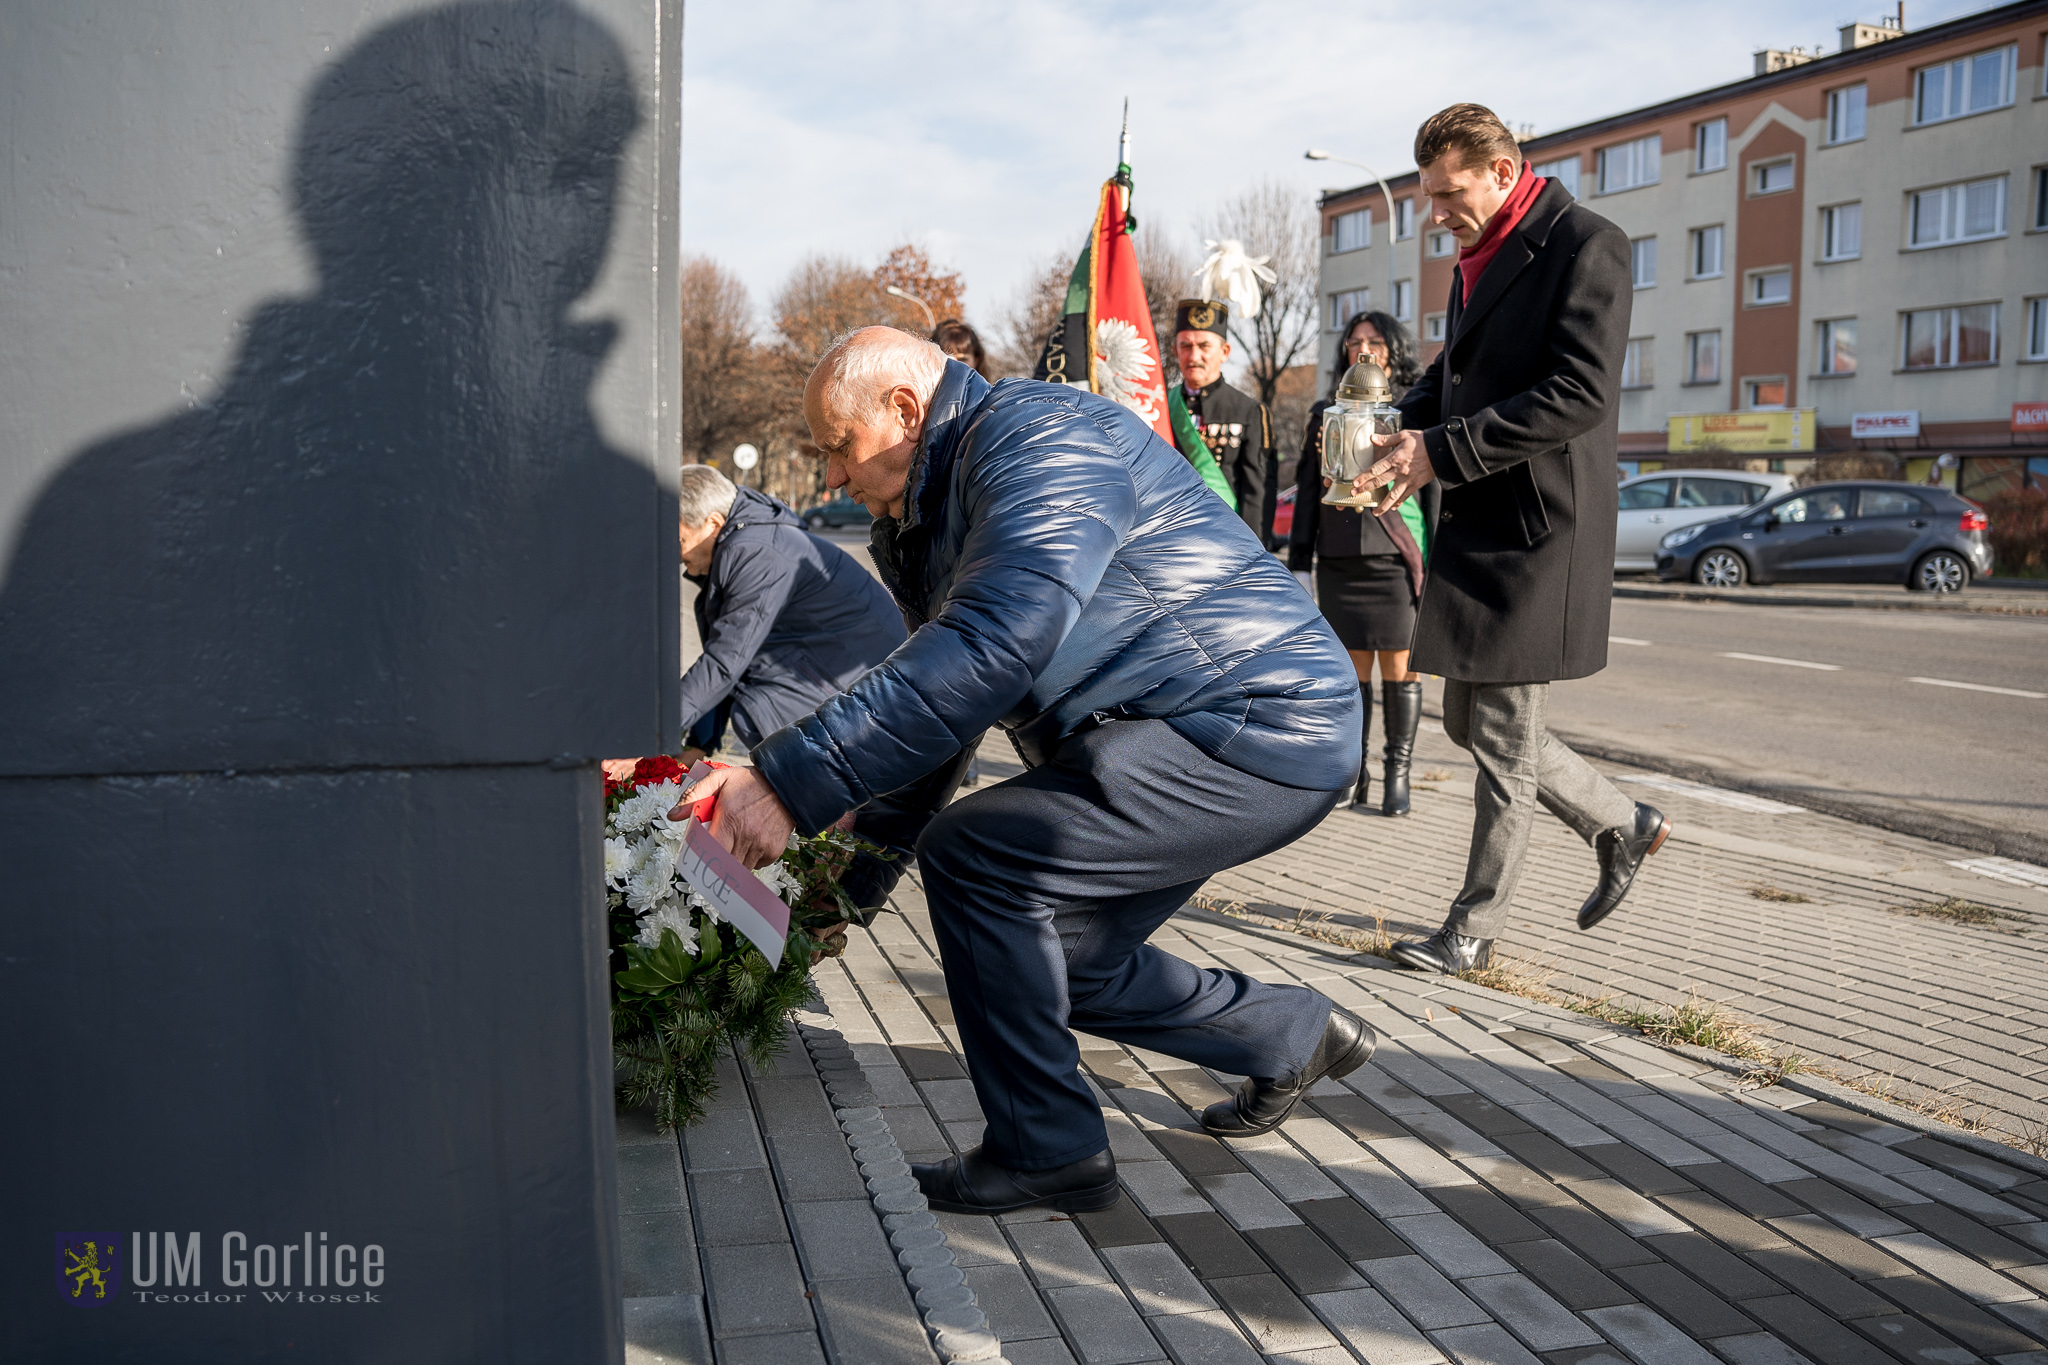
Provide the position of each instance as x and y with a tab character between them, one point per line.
1845	708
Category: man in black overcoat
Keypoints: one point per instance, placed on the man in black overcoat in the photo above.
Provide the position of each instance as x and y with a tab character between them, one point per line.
1516	419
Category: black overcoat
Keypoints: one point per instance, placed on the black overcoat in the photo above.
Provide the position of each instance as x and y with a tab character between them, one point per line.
1519	416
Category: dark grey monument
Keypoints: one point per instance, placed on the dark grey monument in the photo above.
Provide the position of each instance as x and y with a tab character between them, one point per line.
337	372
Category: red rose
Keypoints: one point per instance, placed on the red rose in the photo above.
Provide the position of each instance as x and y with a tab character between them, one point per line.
657	768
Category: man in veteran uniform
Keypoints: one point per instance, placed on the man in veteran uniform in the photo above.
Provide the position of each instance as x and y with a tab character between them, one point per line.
1223	431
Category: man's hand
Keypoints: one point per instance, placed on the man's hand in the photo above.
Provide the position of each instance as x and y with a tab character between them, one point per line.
749	818
1406	463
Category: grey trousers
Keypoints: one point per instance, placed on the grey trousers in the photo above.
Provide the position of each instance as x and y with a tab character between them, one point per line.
1521	765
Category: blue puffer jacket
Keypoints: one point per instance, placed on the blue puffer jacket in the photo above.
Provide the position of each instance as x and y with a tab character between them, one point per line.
1058	560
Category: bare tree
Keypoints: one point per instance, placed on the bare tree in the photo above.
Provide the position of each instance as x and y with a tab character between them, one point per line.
1038	305
1166	268
1274	220
912	271
724	399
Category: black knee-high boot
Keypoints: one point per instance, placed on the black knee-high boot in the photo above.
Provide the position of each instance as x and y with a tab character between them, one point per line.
1364	747
1403	707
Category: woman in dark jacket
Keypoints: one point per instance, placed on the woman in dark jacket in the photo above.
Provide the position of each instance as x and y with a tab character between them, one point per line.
1368	569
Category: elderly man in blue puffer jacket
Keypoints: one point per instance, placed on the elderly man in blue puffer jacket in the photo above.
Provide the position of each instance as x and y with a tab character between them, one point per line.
1180	706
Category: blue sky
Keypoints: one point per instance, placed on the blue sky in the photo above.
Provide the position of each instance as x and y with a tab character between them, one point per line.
980	128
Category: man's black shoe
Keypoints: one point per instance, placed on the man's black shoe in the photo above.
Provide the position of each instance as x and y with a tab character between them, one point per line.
971	1183
1445	953
1260	1106
1621	852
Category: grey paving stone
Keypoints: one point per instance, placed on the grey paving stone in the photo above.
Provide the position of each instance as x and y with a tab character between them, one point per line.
1101	1327
1450	1136
1815	1332
1380	1190
839	1239
917	1132
1275	1319
1204	1338
1305	1260
757	1289
1159	1188
815	1166
734	1208
1209	1244
1716	1219
1648	1337
1346	1225
1195	1153
668	1330
1483	1115
1051	1351
1243	1199
1592	1236
974	1240
793	1105
1641	1172
1121	1224
1454	1251
658	1254
1534	1316
1965	1233
2030	1316
951	1101
1713	1264
1157	1280
1636	1215
1489	1216
1983	1170
1940	1185
1758	1348
1359	1117
1373	1328
1015	1312
1484	1344
1844	1208
1951	1313
795	1349
1519	1184
650	1178
1567	1275
1418	1290
1290	1174
1057	1254
872	1320
1419	1162
1561	1123
1550	1157
1737	1188
1701	1311
1858	1258
1753	1160
1950	1267
1913	1340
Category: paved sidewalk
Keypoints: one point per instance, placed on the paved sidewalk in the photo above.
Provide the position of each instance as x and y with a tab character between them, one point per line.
1504	1183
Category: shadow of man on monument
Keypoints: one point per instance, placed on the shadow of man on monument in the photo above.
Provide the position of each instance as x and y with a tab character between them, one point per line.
379	544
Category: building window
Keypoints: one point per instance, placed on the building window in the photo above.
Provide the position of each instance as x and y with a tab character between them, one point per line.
1404	300
1564	170
1969	86
1706	253
1771	177
1354	231
1441	244
1637	369
1764	393
1642	262
1768	288
1348	305
1958	213
1838	346
1631	164
1703	358
1943	338
1846	108
1841	232
1709	145
2041	198
2037	329
1404	219
1433	327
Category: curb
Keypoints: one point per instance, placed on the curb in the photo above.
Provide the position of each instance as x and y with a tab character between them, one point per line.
959	1329
1813	1087
1971	606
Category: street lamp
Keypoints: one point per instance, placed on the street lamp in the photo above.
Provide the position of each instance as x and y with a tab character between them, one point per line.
929	322
1318	154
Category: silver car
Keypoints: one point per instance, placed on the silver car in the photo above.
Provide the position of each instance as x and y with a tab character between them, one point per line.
1654	505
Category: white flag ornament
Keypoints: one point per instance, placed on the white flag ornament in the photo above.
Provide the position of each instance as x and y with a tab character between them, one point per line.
1231	275
736	895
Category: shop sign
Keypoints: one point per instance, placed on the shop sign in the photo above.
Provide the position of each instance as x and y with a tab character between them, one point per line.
2030	417
1777	433
1884	426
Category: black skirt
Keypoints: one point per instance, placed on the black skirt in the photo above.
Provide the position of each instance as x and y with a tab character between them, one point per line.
1367	600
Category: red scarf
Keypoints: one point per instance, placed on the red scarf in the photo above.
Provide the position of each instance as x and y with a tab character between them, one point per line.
1473	260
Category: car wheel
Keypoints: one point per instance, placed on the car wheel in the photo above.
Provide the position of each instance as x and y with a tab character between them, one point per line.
816	521
1720	569
1941	571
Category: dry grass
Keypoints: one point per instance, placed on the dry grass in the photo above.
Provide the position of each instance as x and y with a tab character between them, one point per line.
1956	910
1317	925
1958	1110
1779	897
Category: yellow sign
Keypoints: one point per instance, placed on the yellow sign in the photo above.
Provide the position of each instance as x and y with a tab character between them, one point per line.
1785	432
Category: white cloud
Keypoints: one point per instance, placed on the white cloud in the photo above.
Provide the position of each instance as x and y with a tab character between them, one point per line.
981	129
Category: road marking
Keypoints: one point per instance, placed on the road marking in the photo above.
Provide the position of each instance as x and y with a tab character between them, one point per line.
1980	687
1624	640
2005	870
1789	663
1699	791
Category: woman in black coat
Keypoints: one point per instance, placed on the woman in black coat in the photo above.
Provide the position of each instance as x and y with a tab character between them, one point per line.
1368	569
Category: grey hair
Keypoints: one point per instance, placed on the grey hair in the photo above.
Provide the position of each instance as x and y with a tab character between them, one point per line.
863	366
703	493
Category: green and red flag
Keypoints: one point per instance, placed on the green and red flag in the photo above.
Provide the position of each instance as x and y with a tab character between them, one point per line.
1104	340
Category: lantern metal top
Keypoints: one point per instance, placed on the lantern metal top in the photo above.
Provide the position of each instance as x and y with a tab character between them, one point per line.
1365	382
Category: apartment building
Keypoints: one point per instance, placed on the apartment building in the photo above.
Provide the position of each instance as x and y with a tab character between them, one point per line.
1843	253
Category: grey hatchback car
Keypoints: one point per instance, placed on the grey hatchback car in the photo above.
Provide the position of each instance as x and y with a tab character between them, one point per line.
1926	538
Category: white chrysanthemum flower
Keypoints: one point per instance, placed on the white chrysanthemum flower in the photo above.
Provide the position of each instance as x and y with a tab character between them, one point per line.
780	880
654	880
641	808
618	862
670	914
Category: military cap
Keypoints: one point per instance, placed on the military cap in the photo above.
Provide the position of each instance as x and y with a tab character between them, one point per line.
1202	315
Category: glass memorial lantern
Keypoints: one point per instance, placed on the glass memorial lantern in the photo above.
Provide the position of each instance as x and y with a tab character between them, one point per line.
1364	409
